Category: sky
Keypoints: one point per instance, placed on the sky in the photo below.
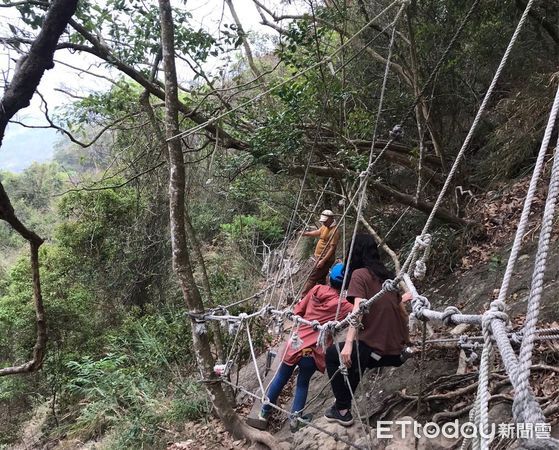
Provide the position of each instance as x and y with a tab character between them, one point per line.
22	145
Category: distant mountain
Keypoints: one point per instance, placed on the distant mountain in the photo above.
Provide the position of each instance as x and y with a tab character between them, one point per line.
23	146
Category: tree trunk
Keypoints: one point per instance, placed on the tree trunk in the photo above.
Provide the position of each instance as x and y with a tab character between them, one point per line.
31	67
181	258
199	257
421	109
190	233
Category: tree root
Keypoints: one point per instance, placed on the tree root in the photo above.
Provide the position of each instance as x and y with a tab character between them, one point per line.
262	439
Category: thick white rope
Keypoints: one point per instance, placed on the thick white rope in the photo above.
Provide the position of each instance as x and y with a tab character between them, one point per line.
493	323
264	397
523	223
525	357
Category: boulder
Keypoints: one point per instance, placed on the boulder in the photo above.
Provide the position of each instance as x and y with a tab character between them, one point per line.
500	413
309	438
397	436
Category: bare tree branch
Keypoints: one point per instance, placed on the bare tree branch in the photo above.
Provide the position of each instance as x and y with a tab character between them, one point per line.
155	87
243	35
406	199
27	76
87	71
60	46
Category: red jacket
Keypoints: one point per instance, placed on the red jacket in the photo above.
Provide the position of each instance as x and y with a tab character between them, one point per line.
320	303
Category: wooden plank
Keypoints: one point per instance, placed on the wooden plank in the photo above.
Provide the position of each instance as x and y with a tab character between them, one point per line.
253	418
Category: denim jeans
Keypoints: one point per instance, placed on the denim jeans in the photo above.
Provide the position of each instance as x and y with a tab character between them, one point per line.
362	361
307	368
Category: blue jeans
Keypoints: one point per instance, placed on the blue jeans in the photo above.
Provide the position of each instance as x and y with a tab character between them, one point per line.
307	368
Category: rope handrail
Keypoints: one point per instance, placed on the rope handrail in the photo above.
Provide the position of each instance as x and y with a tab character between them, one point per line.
494	322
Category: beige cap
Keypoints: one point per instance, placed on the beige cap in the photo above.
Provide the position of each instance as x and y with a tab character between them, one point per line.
325	215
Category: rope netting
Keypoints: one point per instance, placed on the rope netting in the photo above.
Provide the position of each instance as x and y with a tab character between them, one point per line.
497	336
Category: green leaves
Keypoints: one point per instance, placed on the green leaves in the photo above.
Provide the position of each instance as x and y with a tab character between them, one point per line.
249	227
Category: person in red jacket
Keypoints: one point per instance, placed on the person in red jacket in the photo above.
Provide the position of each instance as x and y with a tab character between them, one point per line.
322	303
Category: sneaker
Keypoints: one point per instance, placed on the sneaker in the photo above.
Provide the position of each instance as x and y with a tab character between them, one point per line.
333	415
264	415
295	425
260	421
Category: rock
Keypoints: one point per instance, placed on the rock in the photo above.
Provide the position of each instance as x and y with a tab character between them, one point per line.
310	438
392	436
522	258
372	442
403	437
460	329
555	431
437	443
500	413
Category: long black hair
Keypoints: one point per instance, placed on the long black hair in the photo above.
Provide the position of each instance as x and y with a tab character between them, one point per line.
365	254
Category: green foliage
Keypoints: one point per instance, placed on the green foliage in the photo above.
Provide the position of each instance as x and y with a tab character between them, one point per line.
32	194
253	229
17	323
125	390
514	133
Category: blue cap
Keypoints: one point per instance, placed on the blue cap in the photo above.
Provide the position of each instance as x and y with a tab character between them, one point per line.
337	274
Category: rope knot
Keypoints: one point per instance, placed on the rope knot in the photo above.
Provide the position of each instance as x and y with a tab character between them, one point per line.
517	337
463	340
243	316
390	286
278	328
423	241
496	311
497	305
343	370
354	321
233	326
447	315
296	341
420	269
397	132
200	327
419	303
199	322
287	314
325	331
470	360
315	324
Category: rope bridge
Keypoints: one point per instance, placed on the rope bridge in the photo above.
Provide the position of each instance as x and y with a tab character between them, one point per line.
494	323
